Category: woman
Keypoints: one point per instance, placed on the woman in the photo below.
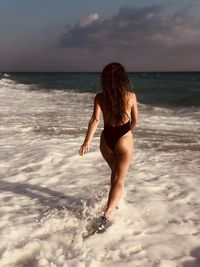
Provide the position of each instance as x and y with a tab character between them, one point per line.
120	114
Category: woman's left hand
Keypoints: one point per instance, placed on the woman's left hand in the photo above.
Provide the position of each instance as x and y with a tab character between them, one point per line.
84	149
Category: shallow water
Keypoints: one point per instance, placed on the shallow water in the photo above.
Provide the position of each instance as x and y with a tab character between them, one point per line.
49	193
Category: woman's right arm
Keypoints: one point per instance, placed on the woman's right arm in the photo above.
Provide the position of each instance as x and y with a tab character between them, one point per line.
134	112
92	126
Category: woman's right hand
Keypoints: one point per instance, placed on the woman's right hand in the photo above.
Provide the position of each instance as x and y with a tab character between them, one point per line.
84	149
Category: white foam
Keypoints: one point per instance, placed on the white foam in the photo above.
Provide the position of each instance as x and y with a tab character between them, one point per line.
48	193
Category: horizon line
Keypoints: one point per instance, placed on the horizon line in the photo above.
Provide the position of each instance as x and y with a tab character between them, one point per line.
131	71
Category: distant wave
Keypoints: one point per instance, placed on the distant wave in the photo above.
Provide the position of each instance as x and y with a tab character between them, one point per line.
4	75
164	90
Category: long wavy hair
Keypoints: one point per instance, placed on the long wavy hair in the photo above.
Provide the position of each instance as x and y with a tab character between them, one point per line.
115	84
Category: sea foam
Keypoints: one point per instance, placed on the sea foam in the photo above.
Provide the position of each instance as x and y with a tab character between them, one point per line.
49	193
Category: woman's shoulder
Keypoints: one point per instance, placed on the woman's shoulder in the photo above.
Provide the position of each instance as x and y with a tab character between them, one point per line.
131	97
131	93
99	96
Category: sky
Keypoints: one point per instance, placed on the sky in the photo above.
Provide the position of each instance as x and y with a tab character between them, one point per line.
85	35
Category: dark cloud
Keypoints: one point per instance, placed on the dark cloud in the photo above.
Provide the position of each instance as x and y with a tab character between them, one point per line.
139	33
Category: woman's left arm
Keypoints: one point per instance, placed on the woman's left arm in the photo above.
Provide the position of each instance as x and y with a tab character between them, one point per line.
134	112
92	126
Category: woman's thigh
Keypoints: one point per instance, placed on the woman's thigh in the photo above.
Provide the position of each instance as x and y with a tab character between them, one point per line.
122	158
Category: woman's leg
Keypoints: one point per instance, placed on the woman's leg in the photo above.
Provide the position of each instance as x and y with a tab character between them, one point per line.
121	162
117	177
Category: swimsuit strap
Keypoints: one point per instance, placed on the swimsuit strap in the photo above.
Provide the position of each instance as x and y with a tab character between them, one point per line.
117	126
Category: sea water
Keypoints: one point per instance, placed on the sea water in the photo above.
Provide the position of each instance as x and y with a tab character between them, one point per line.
49	194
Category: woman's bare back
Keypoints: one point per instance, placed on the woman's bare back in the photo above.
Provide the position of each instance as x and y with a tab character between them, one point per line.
107	116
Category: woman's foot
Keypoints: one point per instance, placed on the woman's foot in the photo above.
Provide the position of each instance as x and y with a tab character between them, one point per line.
109	213
103	223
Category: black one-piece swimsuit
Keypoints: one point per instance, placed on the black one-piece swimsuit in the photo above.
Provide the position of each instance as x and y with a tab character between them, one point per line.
113	133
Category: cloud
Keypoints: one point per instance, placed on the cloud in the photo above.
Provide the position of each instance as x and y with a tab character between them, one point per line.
133	26
142	33
89	20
